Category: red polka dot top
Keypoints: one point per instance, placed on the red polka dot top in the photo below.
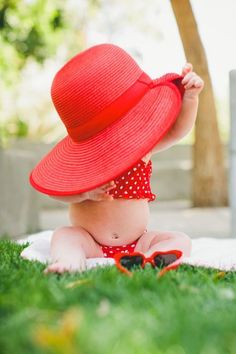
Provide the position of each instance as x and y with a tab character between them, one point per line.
134	183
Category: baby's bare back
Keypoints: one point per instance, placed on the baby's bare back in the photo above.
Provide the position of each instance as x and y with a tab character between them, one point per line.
115	222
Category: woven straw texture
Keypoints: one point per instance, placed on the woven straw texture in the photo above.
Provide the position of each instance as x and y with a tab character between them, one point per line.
85	86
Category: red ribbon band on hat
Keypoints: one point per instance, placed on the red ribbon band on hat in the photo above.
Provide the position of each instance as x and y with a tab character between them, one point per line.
114	111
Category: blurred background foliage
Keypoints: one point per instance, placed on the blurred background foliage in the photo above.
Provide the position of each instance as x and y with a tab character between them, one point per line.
38	36
28	30
32	33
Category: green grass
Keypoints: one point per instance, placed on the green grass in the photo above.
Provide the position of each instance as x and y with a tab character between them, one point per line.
191	310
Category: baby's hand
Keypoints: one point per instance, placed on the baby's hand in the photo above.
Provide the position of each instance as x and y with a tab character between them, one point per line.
100	193
97	194
193	84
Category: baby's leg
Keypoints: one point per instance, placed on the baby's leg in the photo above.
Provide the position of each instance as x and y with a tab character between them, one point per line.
70	246
151	241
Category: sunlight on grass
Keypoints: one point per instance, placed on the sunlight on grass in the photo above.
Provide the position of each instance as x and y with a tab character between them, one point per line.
62	338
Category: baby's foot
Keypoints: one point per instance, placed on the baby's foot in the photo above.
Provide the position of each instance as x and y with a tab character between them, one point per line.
62	266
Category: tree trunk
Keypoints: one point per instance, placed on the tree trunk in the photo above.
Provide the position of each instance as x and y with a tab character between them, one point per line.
209	183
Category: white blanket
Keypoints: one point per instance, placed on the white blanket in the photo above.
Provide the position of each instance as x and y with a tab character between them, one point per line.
207	252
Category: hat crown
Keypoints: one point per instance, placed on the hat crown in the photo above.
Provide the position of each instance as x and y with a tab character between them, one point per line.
89	82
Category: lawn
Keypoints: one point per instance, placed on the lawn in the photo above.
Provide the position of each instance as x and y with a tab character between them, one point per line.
188	311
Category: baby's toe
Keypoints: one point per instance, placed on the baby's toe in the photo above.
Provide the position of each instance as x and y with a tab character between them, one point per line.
55	268
61	267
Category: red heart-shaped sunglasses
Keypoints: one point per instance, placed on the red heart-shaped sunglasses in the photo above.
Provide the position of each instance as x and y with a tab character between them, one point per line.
164	260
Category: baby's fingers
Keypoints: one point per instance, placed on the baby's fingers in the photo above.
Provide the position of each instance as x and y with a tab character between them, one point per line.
188	77
187	68
108	186
191	83
104	196
194	82
108	197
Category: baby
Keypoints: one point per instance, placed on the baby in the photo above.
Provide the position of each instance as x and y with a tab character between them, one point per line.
104	223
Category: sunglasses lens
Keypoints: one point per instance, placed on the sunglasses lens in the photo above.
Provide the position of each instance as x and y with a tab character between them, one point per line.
163	260
130	262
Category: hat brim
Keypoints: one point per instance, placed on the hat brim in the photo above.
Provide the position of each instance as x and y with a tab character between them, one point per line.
73	168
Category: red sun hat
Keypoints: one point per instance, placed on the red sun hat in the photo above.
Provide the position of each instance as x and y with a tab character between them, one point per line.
114	114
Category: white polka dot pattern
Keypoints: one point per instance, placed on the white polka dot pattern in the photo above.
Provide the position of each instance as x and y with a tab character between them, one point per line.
134	183
111	251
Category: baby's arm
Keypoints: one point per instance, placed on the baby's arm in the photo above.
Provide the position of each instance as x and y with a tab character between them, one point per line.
98	194
193	85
